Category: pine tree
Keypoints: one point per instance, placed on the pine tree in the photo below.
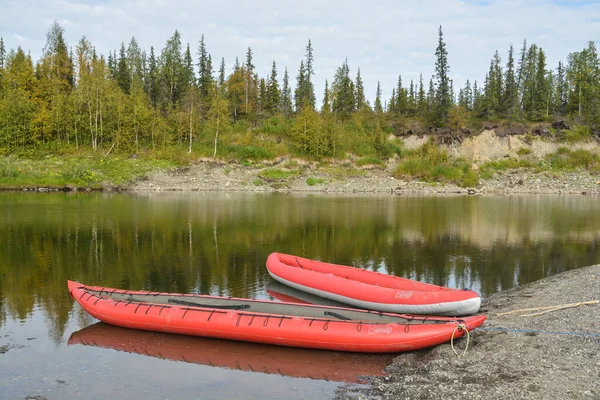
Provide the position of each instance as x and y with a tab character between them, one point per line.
286	95
443	100
359	87
378	107
273	95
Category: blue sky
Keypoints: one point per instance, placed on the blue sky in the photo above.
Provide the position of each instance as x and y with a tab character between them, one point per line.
384	38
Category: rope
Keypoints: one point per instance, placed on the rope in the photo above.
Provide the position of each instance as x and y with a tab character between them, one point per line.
548	309
460	327
586	334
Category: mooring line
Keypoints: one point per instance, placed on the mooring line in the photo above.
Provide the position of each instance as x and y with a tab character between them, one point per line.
510	330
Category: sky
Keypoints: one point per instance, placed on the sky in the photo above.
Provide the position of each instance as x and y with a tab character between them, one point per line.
383	38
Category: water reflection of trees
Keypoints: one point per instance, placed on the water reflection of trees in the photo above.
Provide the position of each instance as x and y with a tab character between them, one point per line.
218	244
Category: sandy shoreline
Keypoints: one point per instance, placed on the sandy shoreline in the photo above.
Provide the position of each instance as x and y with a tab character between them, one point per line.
510	365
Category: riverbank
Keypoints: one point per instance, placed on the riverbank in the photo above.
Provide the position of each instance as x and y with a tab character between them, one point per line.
345	178
486	163
510	365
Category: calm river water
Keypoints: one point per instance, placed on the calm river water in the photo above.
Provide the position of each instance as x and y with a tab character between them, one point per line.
217	243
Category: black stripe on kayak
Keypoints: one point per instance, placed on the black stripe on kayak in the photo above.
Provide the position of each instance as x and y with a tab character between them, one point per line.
224	307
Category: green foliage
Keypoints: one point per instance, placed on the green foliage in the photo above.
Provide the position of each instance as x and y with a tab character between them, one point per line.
275	174
370	160
314	181
487	170
567	160
79	170
431	164
523	151
579	133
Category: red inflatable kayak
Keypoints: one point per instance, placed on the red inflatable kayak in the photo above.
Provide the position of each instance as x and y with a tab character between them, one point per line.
229	354
287	324
370	290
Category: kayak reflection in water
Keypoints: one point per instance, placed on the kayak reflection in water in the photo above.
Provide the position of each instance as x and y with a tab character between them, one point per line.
286	361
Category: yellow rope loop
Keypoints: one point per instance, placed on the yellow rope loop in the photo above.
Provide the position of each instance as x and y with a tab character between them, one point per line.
460	327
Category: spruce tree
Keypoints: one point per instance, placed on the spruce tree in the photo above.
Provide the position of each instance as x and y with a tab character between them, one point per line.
273	94
521	69
391	105
2	53
326	107
421	98
205	79
359	87
249	80
152	82
378	107
123	77
344	102
511	90
309	90
300	93
171	74
431	98
286	95
222	73
189	79
134	60
560	104
262	96
540	101
401	98
443	100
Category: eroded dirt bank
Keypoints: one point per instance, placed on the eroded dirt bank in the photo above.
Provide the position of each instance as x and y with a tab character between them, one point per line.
510	365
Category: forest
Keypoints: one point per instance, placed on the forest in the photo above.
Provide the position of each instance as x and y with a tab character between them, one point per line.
134	100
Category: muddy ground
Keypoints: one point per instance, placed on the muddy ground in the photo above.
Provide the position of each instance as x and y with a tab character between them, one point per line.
509	365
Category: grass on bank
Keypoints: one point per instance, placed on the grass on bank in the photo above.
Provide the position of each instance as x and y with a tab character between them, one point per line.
563	160
79	170
431	164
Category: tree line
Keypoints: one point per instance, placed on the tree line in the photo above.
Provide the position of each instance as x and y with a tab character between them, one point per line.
132	99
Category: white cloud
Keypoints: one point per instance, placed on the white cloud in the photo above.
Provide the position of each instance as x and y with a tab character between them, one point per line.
383	39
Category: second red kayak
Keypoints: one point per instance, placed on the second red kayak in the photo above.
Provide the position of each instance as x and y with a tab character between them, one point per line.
371	290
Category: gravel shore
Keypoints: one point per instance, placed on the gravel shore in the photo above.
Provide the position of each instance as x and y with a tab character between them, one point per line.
510	365
209	176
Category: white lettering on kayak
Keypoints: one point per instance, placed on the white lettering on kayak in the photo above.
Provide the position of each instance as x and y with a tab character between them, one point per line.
380	329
